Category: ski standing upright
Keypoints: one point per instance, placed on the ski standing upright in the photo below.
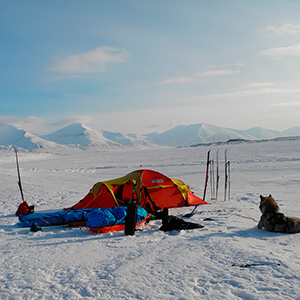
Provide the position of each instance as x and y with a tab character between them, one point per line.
217	175
227	178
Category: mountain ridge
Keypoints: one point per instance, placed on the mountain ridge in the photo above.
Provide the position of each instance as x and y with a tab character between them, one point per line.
188	135
78	135
84	136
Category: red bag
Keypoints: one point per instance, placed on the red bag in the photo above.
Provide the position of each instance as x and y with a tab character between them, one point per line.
24	209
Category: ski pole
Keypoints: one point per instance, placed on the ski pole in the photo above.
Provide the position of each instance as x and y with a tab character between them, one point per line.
205	186
212	180
228	180
206	175
19	176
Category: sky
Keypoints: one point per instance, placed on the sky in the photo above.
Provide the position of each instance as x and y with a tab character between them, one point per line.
135	66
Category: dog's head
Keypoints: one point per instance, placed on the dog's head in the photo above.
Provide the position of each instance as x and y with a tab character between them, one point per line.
268	204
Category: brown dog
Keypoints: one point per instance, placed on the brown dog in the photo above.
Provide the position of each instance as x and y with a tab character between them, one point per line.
273	220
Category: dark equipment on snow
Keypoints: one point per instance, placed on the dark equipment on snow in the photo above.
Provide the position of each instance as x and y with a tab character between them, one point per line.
35	227
24	209
255	264
130	219
170	223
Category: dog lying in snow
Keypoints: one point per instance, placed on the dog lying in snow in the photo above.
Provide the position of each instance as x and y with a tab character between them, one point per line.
273	220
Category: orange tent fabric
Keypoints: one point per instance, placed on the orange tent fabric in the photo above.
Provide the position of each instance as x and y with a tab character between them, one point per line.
153	190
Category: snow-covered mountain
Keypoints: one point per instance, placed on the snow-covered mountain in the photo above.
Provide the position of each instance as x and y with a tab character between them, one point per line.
10	135
194	134
74	135
83	136
126	139
294	131
262	133
186	135
80	136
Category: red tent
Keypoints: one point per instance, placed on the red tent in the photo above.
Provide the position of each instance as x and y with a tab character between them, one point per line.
153	189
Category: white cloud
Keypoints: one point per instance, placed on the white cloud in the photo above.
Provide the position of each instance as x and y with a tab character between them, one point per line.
280	52
89	62
225	66
255	86
30	123
220	72
287	104
260	84
177	80
292	29
262	95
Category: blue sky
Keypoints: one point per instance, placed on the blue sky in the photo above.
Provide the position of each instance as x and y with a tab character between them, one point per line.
144	66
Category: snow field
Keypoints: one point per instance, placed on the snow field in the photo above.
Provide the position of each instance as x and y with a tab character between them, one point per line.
74	263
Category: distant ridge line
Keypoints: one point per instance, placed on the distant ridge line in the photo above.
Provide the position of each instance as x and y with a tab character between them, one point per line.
243	141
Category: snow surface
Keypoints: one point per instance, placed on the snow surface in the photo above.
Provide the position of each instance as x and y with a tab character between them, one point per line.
74	263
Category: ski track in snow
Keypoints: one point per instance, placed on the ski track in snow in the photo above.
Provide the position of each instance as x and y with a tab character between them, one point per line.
74	263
